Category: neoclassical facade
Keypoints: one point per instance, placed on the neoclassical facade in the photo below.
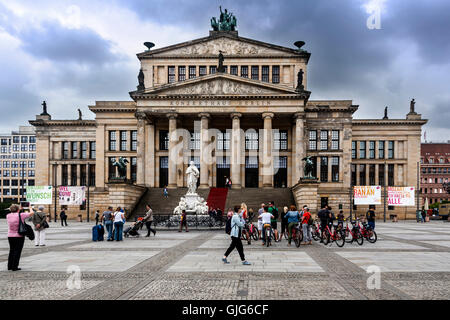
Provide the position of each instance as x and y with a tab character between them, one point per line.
247	117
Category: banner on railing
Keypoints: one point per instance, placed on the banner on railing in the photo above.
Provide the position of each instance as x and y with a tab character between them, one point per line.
367	194
72	195
39	194
401	196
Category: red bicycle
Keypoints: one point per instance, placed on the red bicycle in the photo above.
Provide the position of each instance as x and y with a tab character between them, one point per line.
315	230
353	234
368	233
297	235
337	235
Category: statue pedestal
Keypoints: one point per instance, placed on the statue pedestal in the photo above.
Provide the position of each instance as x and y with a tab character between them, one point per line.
192	203
305	193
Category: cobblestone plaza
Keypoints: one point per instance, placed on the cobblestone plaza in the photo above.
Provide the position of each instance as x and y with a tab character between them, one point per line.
413	258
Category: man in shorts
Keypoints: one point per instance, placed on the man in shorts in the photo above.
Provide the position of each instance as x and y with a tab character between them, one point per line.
266	218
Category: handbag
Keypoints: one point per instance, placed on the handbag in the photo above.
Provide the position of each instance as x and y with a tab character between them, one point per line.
45	224
25	229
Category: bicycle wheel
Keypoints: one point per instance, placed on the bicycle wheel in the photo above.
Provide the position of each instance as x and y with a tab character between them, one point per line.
314	234
348	236
255	234
372	237
300	236
359	238
268	237
340	238
326	237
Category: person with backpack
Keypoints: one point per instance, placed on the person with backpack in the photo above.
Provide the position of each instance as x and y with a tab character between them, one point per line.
370	216
97	217
274	212
63	217
39	220
292	217
323	215
307	222
235	229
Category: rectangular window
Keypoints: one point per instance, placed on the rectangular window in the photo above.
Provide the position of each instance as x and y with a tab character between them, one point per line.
83	177
390	149
133	140
390	175
255	72
16	147
65	175
335	169
371	149
362	174
74	150
353	149
112	141
14	164
32	147
123	141
181	73
194	143
32	155
312	140
234	70
371	174
23	164
323	140
84	150
24	139
32	139
31	164
133	168
202	71
353	174
244	71
171	74
362	149
381	174
6	173
163	140
225	69
92	151
323	169
275	74
251	141
223	141
212	69
73	175
16	139
334	139
280	140
192	72
265	73
23	147
91	173
223	162
380	149
111	168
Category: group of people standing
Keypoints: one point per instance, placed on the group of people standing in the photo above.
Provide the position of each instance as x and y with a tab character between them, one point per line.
114	221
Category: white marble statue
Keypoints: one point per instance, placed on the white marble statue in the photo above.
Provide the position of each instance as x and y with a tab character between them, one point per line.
192	176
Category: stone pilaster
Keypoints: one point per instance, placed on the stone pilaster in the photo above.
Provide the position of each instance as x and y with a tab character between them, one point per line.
205	158
140	164
150	154
172	150
236	151
267	147
299	147
100	157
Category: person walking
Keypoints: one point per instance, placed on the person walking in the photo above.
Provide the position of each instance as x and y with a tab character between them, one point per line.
15	240
166	192
370	216
148	219
97	217
63	217
183	221
293	217
119	217
306	225
38	220
107	219
237	223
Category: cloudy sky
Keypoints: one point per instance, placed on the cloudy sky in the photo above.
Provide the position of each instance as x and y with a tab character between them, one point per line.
71	53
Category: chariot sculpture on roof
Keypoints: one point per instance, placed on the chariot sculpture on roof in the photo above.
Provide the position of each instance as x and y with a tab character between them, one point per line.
227	21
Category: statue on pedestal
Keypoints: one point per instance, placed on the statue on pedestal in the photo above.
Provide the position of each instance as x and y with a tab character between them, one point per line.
221	68
300	85
141	85
227	21
385	113
309	167
44	107
192	176
412	106
80	115
121	165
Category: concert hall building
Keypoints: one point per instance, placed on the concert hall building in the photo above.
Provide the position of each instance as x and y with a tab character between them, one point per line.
253	123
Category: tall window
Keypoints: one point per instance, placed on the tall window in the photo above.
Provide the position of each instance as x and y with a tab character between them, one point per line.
202	71
111	168
73	175
133	168
312	140
323	169
371	174
380	149
280	140
334	139
323	139
362	174
192	72
353	174
123	141
335	169
353	149
91	173
74	150
371	149
251	141
275	74
390	149
244	71
212	69
133	140
24	139
163	140
65	175
234	70
32	139
390	174
362	149
255	72
83	150
265	73
181	73
112	141
171	74
83	177
92	149
194	143
223	141
65	146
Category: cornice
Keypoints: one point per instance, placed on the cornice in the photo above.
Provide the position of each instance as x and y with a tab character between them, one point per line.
58	123
388	122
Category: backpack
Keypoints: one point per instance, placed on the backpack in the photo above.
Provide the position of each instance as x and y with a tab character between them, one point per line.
228	226
310	220
275	212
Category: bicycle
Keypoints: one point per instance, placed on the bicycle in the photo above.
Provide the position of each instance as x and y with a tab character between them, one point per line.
368	233
315	230
355	234
337	235
297	235
268	234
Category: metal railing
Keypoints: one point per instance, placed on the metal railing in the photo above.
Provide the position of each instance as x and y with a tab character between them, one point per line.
194	221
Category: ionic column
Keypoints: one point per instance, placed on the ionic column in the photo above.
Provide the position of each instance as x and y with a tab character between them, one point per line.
299	147
267	147
236	151
140	164
172	151
205	159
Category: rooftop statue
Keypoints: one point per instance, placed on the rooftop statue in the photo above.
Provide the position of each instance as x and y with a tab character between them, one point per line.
385	113
79	115
141	85
221	68
412	106
44	107
227	21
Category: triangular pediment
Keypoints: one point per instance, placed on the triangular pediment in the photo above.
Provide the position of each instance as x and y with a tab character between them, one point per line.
221	84
230	45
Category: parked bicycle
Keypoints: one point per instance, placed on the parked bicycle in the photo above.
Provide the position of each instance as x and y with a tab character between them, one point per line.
368	233
268	234
297	235
353	234
315	230
334	235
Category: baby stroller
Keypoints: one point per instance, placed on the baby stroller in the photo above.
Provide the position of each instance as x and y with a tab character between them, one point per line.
133	229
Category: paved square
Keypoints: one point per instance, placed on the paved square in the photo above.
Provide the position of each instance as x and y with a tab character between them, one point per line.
414	259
